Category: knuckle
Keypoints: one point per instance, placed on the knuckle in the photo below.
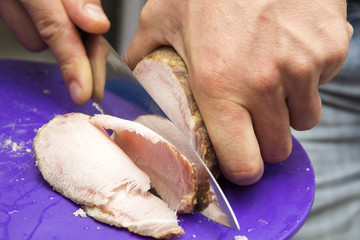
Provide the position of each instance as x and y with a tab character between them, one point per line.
302	67
149	15
267	86
144	15
338	53
337	48
67	66
267	82
214	75
49	28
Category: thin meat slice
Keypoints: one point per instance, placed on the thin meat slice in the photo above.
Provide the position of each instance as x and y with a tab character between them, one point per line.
170	172
70	151
170	132
83	163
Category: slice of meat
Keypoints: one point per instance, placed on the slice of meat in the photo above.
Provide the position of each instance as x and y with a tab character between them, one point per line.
207	201
78	158
170	132
165	165
70	151
164	71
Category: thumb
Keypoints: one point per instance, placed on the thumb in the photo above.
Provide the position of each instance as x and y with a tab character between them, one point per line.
144	42
88	15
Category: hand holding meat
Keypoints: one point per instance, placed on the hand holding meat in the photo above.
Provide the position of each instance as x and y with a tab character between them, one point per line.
254	68
39	24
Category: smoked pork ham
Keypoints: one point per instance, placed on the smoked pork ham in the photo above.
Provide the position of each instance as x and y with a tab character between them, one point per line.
164	71
161	161
207	201
78	158
168	130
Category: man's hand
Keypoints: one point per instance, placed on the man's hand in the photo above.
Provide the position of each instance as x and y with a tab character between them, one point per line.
38	24
254	69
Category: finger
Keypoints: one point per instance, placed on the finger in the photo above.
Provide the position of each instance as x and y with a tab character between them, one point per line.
88	15
271	122
97	50
305	108
18	20
62	37
303	98
152	33
231	132
144	42
301	91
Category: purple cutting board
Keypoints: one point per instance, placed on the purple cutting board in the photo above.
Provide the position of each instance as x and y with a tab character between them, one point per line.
31	94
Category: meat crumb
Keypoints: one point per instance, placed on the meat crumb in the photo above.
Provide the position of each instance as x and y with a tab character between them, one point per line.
8	142
46	91
15	147
239	237
80	212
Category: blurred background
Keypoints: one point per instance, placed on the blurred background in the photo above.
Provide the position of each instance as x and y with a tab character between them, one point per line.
124	18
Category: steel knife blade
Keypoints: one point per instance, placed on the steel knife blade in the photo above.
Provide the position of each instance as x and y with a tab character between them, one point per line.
109	70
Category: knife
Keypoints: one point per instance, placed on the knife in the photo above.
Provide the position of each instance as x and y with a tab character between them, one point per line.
111	72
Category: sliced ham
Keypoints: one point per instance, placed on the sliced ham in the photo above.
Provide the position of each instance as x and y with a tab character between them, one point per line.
160	160
170	132
78	158
164	71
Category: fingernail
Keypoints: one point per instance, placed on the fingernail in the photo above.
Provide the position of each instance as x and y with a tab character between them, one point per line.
75	91
94	11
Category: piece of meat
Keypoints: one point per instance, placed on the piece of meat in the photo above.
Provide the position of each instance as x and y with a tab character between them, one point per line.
170	132
164	71
160	160
78	158
207	201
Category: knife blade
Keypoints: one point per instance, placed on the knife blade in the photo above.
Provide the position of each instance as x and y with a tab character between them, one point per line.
111	71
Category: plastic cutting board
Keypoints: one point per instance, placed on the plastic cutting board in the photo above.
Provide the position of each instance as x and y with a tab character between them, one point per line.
31	94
